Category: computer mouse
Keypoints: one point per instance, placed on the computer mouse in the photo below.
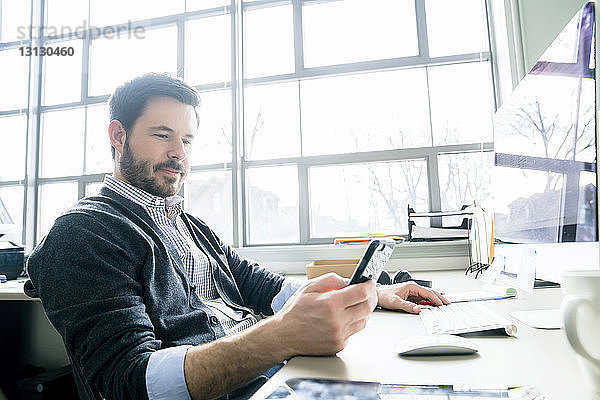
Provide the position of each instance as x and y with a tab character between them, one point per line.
435	345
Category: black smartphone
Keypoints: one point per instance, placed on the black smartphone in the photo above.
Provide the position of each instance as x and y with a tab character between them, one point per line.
373	261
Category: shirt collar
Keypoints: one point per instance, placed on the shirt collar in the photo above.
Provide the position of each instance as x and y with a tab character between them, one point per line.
172	204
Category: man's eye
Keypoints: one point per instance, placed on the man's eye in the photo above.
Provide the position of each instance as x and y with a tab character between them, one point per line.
160	135
187	142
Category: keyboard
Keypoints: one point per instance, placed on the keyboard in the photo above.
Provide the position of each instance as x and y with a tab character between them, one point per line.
457	318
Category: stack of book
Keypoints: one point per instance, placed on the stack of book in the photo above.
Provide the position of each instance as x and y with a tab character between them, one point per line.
343	268
366	239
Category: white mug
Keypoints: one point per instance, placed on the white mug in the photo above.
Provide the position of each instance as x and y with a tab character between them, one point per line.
581	316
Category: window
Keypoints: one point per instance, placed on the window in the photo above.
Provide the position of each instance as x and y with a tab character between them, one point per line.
62	75
208	196
14	79
54	199
15	19
62	133
272	121
365	197
11	199
208	38
115	60
13	134
268	51
359	108
363	30
319	118
365	112
214	141
273	204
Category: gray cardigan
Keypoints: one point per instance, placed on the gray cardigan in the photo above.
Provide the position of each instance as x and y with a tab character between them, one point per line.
116	290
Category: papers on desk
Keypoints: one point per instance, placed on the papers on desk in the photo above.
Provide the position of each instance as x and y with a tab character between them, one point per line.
540	319
431	233
476	226
312	388
513	265
480	295
424	232
481	236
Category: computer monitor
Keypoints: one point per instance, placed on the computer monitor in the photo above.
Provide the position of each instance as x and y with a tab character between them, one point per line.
545	175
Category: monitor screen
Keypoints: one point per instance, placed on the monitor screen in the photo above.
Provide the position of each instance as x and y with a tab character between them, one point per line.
544	178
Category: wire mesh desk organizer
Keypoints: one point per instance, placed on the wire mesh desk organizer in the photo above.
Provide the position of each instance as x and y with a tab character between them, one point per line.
476	227
436	231
481	245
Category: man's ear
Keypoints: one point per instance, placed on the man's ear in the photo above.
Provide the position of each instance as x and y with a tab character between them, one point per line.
117	135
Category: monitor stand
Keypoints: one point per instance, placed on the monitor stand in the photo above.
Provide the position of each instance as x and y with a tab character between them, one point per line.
542	284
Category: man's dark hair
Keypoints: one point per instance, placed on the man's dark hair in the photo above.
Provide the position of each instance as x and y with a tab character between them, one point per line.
129	100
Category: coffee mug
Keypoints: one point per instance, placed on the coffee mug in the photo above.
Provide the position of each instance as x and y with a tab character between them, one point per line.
581	316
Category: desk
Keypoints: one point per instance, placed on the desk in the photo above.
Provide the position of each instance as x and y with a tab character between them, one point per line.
535	357
13	290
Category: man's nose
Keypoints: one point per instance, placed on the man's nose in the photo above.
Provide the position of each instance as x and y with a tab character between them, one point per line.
177	151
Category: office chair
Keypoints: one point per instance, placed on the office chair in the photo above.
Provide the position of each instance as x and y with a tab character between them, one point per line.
85	391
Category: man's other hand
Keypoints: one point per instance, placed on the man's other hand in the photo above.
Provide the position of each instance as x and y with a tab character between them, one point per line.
408	296
323	314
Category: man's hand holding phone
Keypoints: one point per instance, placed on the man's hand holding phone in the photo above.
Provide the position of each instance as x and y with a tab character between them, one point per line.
322	315
407	296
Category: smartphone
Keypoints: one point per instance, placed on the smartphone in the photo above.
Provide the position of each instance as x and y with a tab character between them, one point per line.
373	261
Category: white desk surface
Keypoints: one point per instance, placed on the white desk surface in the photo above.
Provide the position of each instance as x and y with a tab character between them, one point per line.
13	290
542	358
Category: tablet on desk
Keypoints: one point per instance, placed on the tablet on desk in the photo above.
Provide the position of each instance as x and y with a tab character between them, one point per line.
311	388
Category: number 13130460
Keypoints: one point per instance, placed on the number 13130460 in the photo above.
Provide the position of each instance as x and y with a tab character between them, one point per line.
47	51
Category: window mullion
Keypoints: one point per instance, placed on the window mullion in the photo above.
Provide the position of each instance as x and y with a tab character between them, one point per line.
422	28
85	68
85	141
238	195
31	214
81	187
433	181
303	203
1	20
492	57
180	47
429	105
298	36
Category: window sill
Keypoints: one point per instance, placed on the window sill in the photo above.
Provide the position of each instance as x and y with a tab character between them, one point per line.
408	255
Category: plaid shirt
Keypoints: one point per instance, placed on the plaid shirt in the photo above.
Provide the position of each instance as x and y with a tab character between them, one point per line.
166	213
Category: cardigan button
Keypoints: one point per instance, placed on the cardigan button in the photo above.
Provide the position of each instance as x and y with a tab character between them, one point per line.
214	320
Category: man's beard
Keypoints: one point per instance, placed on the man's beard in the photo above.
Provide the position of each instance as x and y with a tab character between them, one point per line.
141	174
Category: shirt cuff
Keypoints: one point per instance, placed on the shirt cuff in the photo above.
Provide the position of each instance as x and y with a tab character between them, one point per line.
164	374
290	286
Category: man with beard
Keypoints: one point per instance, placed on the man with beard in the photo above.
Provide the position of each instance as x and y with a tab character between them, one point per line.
151	303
